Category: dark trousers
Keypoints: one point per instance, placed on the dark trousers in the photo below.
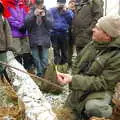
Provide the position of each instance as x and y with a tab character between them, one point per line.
60	48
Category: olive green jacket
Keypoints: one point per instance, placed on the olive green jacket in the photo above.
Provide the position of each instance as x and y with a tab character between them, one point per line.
95	71
86	17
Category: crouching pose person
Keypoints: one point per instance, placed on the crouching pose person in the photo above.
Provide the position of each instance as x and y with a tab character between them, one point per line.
95	71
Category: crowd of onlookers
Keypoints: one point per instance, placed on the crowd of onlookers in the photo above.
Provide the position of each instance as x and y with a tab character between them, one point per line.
35	29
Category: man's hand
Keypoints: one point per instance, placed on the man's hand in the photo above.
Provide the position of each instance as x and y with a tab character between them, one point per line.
64	78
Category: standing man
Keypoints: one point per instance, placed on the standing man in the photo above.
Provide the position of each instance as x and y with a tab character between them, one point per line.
96	71
59	35
87	14
39	22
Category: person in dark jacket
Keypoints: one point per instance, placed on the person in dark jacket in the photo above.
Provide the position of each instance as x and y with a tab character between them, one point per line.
39	22
96	71
87	14
59	35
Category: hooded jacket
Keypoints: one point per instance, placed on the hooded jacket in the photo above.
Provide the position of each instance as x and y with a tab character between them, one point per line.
16	20
95	72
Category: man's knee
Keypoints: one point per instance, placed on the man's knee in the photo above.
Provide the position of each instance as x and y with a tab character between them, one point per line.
98	108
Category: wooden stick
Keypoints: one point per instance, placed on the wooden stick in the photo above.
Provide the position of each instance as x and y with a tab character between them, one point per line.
32	75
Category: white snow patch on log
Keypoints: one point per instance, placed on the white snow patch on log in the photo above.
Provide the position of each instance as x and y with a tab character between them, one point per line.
36	106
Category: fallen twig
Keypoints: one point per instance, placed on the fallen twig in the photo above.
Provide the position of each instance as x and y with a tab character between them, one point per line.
32	75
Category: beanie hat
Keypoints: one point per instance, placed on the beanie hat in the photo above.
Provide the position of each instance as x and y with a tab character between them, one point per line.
110	25
61	1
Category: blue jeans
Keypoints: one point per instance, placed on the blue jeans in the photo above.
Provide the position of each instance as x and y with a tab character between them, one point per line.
40	56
